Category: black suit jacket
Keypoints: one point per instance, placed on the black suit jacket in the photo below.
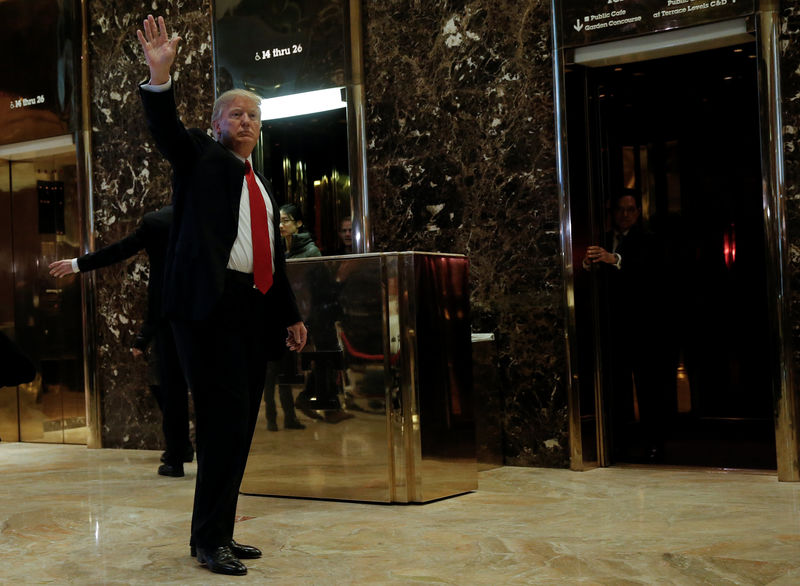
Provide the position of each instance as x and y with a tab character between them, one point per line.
632	289
207	186
152	235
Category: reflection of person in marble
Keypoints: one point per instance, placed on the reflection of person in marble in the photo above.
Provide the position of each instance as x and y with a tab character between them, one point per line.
323	359
298	243
225	288
275	368
165	378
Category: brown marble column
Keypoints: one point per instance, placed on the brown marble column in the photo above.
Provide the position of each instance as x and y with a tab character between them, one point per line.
790	81
461	159
131	178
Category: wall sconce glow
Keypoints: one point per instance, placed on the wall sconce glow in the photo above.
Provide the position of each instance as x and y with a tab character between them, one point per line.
305	103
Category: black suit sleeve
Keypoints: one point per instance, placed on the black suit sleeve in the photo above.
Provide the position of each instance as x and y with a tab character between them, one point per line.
114	253
174	141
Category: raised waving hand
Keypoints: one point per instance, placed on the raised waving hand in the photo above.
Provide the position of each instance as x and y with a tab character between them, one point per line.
159	49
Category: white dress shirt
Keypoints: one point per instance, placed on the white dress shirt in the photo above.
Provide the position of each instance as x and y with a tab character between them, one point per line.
241	258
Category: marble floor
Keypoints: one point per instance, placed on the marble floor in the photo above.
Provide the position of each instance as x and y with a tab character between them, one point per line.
71	515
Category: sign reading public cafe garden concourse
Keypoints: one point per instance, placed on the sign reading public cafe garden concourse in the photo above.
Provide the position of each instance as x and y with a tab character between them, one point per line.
584	22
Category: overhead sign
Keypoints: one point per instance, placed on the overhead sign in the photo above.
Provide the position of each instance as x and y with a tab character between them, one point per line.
36	71
278	48
584	22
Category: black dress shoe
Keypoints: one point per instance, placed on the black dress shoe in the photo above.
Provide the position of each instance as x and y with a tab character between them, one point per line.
221	560
188	455
272	426
171	470
243	552
293	424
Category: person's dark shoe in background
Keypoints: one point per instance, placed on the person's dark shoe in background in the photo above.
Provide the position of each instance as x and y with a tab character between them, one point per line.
188	455
175	471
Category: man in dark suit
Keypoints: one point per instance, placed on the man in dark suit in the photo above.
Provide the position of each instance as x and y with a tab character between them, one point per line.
170	391
628	264
225	288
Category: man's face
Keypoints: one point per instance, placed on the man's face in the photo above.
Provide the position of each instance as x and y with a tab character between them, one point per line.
346	232
626	213
239	126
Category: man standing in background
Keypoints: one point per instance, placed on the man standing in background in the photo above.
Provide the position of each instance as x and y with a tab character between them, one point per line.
170	389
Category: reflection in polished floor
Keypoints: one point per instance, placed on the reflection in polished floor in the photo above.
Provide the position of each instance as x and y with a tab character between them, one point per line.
70	515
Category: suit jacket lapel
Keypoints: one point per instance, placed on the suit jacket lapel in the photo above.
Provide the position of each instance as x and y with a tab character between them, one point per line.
276	241
234	169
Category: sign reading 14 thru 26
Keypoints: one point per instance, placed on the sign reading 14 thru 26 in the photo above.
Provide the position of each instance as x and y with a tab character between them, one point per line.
584	22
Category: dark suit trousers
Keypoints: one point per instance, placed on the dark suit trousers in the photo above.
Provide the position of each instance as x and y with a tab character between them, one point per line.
175	396
224	357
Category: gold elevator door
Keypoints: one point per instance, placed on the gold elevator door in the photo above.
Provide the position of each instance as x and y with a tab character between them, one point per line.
39	224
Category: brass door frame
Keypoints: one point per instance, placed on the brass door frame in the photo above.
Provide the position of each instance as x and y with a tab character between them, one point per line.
83	147
787	405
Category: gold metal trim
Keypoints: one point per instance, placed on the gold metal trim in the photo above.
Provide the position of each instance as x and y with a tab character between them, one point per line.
357	132
787	407
576	458
83	144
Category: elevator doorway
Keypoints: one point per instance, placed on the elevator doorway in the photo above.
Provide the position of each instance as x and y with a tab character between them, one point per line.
39	205
676	356
306	159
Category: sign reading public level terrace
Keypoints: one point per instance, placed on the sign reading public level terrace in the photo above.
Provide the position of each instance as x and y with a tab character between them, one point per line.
584	22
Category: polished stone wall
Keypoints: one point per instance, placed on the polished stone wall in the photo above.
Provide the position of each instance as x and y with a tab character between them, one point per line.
790	80
130	178
461	159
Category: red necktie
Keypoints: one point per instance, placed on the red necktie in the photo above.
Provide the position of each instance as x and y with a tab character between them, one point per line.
259	230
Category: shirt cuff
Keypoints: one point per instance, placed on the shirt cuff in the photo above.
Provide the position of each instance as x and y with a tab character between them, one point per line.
157	88
75	268
618	264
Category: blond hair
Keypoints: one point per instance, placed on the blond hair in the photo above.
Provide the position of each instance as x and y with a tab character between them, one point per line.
226	98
